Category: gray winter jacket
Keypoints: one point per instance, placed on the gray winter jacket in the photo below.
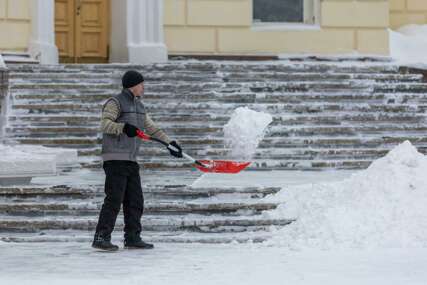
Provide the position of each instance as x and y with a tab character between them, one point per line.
118	110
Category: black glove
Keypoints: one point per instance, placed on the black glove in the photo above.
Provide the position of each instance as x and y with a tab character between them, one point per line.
130	130
174	152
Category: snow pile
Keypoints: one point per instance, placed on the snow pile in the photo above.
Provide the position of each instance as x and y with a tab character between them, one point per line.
63	156
30	160
15	162
408	45
244	131
2	64
382	206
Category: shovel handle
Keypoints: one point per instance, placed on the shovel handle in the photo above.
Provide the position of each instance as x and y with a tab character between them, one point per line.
146	137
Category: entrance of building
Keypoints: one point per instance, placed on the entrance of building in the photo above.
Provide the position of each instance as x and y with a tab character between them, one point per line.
82	30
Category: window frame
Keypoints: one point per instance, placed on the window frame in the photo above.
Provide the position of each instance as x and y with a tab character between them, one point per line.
309	24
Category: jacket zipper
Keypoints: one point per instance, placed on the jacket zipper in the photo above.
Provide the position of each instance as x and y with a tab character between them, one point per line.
134	140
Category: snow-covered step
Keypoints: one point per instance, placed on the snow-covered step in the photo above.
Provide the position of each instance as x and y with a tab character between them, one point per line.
306	76
70	86
368	101
308	120
84	131
237	75
172	237
11	58
271	153
88	208
351	98
115	77
211	224
265	87
261	164
224	108
215	66
25	193
275	131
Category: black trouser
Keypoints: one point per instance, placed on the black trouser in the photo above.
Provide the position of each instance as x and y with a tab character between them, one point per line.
122	185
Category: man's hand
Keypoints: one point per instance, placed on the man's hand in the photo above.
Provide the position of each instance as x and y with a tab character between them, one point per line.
130	130
175	149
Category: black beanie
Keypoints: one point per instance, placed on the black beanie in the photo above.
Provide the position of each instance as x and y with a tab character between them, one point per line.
131	78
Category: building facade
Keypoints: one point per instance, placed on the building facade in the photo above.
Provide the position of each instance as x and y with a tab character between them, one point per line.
142	31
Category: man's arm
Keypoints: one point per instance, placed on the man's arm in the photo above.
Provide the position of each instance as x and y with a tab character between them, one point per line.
152	130
110	113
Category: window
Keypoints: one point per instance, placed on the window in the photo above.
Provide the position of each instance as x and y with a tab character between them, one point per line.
284	11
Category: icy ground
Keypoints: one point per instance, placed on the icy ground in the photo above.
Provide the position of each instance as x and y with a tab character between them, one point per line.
208	264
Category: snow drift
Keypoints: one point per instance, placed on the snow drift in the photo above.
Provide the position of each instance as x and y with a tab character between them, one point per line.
382	206
408	45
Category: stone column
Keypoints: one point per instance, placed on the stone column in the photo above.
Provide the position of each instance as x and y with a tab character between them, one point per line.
137	32
145	31
42	43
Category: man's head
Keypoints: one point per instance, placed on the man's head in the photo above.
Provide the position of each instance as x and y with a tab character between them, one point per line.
134	81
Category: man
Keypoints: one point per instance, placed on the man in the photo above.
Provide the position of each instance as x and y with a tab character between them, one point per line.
122	116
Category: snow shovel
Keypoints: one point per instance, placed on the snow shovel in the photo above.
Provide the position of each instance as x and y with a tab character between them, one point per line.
213	166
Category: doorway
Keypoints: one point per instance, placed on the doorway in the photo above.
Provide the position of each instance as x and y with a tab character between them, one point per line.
82	30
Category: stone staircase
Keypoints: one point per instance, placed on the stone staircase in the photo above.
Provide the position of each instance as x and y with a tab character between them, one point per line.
326	114
336	115
175	213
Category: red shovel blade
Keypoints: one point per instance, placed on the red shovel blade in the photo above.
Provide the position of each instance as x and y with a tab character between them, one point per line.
222	166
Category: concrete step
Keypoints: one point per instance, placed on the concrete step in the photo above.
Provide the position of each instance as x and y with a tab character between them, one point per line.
307	76
204	131
203	119
115	77
22	98
11	58
257	87
259	164
302	153
267	142
226	108
148	236
239	76
95	131
29	193
79	208
214	224
79	120
221	66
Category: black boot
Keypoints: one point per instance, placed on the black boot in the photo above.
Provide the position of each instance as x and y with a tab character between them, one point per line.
135	242
103	243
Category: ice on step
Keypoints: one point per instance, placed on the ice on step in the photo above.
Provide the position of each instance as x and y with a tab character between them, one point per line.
244	131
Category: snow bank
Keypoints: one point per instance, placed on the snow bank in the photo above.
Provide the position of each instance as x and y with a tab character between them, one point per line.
382	206
408	45
2	64
244	131
29	160
63	156
15	162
